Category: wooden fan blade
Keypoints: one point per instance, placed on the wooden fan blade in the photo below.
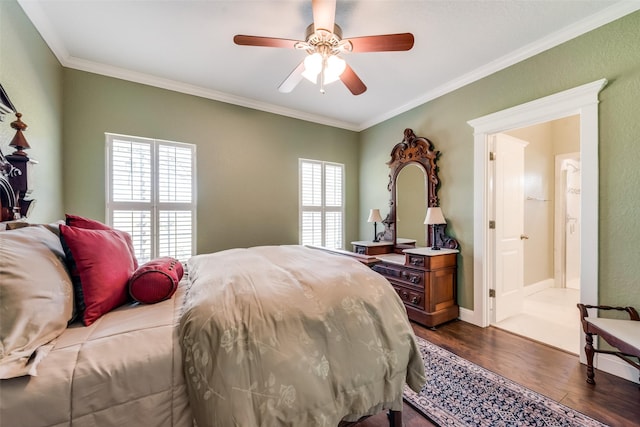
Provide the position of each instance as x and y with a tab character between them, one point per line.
263	41
292	79
352	81
382	43
324	14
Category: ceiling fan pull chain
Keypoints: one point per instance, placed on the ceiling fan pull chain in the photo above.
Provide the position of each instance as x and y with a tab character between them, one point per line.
322	71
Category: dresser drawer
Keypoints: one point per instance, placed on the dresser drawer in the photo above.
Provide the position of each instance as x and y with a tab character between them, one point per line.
431	262
373	249
414	278
409	296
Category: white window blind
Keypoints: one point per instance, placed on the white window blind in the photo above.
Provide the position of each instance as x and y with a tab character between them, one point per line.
151	195
321	203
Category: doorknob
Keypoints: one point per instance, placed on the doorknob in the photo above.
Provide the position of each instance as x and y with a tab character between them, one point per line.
524	237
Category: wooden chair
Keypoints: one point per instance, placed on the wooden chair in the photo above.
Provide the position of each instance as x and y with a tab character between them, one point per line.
624	335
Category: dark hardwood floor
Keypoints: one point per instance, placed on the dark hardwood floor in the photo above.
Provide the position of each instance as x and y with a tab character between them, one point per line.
546	370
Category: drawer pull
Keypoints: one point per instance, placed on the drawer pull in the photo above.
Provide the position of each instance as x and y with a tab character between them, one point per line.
415	300
416	261
415	279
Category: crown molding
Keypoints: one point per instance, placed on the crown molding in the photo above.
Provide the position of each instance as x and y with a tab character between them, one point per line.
35	13
590	23
39	19
176	86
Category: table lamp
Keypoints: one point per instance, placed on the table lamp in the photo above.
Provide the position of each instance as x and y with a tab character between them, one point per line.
375	218
433	218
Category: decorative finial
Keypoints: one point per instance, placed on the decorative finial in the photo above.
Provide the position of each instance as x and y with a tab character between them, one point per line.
19	141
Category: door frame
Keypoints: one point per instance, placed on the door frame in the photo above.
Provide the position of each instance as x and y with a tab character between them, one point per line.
581	100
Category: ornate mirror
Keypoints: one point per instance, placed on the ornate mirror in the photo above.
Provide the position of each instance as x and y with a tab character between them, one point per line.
411	204
413	185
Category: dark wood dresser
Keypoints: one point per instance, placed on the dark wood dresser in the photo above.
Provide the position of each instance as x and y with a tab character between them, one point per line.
425	280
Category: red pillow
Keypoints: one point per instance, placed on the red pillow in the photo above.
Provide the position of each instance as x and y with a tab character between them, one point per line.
92	224
81	222
156	281
101	264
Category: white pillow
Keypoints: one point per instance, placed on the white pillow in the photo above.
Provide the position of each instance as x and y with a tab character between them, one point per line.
36	297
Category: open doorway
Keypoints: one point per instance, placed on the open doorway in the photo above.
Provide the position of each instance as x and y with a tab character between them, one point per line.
545	196
583	101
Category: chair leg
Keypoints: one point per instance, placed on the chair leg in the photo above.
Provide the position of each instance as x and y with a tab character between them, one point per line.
395	418
589	351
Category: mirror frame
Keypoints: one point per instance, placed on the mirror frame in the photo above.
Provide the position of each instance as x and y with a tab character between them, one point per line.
421	152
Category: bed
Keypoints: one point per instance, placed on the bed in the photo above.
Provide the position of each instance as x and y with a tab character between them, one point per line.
266	336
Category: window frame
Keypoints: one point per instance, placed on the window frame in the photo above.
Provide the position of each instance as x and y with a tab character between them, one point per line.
323	208
154	206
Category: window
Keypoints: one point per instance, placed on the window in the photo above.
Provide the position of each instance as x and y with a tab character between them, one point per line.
321	203
151	195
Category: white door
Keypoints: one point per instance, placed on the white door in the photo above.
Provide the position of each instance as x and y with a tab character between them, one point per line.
509	225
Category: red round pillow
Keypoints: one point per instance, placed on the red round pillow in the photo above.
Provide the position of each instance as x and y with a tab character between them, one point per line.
155	281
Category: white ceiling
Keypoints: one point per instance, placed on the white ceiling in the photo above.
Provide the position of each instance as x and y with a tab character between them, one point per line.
187	46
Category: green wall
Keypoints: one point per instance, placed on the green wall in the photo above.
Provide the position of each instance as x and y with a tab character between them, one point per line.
32	77
247	160
611	52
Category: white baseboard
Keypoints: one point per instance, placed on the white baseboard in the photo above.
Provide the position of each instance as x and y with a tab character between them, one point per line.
615	366
537	287
468	316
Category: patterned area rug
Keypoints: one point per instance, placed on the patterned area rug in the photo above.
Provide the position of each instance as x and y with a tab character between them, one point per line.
460	393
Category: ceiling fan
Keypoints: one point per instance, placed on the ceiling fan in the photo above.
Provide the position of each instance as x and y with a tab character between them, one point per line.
324	45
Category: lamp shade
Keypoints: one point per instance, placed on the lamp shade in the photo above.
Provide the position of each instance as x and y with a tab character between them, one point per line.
434	216
374	216
312	67
332	66
335	68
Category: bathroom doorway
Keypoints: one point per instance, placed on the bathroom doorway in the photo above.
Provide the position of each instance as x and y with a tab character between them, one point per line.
550	236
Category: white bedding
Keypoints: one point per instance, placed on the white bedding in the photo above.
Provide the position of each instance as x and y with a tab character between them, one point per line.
123	370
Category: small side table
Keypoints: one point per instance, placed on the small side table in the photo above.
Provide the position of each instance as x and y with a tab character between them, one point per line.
368	247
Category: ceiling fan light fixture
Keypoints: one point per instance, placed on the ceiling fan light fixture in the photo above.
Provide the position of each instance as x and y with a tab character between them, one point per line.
323	43
334	68
312	67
